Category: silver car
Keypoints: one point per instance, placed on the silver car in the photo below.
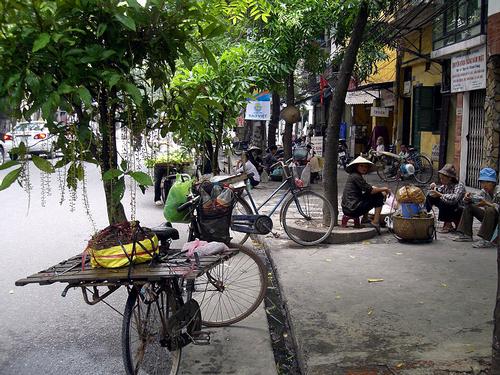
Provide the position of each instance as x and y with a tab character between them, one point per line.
36	137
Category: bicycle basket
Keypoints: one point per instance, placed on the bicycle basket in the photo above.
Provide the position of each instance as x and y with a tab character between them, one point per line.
214	212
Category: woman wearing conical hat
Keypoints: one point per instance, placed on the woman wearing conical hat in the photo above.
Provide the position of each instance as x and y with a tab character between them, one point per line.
359	196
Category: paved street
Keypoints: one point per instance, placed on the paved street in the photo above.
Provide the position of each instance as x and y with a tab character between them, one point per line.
43	333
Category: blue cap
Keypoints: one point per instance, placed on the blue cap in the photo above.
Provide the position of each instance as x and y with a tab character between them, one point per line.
488	174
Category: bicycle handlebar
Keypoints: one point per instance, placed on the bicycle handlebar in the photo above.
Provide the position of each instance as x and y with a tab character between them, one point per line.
281	163
189	203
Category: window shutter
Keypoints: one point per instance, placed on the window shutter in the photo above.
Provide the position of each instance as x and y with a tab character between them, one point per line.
423	109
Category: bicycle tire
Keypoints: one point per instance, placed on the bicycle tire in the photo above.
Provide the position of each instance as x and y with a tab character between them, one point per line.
425	171
382	172
240	208
155	358
294	224
221	308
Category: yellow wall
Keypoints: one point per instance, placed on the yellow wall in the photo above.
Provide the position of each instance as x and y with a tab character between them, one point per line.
385	70
422	75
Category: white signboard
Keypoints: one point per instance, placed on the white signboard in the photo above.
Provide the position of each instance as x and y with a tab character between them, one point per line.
258	110
317	143
379	112
468	72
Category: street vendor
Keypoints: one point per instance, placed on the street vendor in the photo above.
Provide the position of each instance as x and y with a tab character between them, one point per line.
447	197
359	196
482	206
246	166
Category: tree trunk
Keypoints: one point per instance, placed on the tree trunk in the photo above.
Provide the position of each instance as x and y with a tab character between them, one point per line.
290	100
336	108
108	159
275	119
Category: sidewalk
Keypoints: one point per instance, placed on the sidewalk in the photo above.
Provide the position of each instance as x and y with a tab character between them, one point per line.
428	309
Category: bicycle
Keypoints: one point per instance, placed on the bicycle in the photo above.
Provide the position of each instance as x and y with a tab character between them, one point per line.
304	210
391	167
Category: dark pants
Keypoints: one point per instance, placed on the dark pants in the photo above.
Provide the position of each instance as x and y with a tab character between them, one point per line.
253	182
368	201
314	177
488	217
447	212
159	172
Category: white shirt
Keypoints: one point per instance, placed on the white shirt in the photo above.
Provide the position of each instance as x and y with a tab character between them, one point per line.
250	168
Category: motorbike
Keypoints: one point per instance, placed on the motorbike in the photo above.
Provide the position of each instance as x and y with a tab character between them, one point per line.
343	154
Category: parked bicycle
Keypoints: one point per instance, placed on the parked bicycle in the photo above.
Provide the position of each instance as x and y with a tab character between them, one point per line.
306	216
393	167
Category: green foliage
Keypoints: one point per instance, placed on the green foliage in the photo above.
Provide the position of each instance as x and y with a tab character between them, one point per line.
174	158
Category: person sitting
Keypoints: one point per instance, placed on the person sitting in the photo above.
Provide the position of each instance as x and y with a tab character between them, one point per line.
359	197
447	197
380	145
246	166
270	158
253	155
482	206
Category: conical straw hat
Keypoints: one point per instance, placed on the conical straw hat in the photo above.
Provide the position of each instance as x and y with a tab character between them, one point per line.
359	160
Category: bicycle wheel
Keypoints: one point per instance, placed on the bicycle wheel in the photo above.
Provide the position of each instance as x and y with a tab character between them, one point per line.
387	173
142	328
232	290
241	208
304	215
423	169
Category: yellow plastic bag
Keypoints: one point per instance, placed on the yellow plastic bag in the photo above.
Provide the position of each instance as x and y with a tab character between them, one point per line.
138	246
115	257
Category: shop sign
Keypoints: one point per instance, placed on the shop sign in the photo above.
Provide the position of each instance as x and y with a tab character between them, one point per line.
317	144
468	72
379	112
258	110
387	98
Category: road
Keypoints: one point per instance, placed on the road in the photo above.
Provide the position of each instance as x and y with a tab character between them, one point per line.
43	333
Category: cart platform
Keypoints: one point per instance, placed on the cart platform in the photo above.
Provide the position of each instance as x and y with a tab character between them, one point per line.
71	271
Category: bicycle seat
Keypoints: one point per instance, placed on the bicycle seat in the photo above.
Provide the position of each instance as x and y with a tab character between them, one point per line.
165	232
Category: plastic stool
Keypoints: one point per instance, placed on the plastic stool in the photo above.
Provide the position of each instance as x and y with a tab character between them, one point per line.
346	218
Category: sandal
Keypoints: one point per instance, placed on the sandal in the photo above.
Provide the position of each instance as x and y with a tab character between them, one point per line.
447	228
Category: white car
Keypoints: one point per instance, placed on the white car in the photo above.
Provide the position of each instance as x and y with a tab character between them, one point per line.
35	136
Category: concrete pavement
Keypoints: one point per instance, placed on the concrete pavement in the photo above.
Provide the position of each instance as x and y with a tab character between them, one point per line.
383	307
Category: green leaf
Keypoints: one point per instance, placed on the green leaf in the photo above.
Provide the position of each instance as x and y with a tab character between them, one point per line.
113	79
42	164
10	178
80	172
101	29
111	174
85	95
134	4
209	56
142	178
210	103
40	42
126	21
118	190
134	92
124	165
9	164
64	89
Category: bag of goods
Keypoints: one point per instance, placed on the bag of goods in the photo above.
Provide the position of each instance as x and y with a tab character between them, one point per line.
410	194
177	196
121	244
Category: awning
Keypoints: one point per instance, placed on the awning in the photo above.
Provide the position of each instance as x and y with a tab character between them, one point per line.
361	97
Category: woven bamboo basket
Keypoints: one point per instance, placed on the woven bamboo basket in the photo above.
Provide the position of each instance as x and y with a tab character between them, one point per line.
415	228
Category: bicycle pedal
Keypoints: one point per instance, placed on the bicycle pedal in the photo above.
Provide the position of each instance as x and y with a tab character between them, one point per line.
276	235
201	338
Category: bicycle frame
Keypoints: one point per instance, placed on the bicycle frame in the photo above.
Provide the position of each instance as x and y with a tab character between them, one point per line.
288	181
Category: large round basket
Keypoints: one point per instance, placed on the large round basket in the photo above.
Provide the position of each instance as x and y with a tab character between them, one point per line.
414	229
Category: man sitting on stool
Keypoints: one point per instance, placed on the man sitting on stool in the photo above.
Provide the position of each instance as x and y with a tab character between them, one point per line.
359	196
482	206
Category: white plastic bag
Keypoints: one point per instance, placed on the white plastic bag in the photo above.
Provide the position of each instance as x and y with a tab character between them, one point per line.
306	175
